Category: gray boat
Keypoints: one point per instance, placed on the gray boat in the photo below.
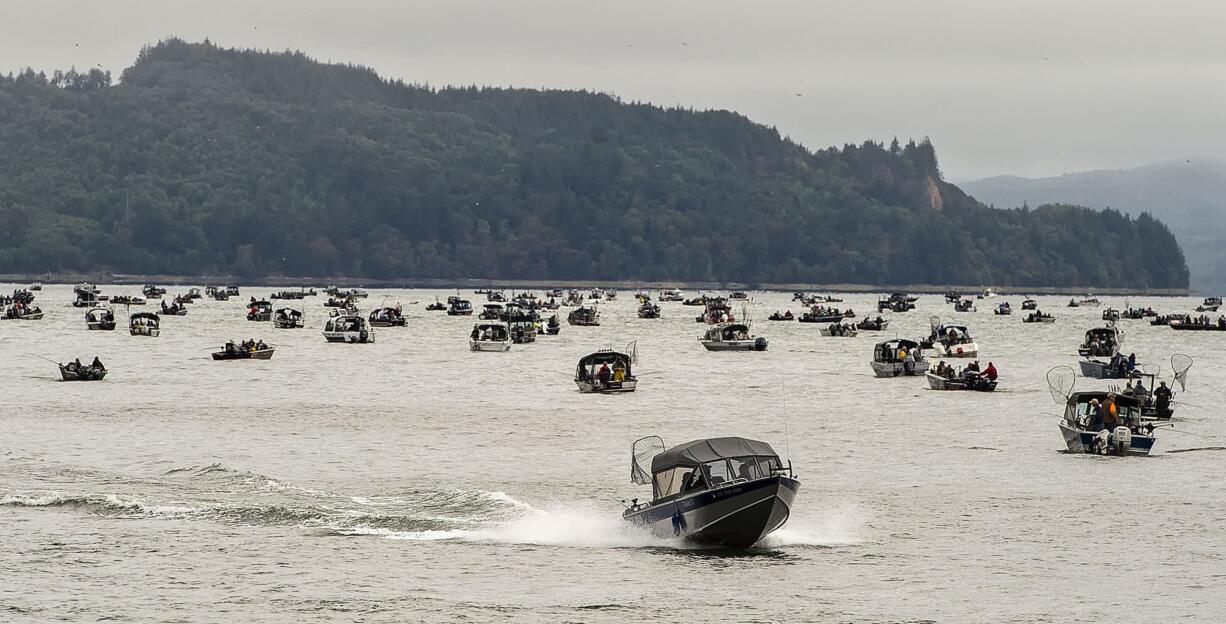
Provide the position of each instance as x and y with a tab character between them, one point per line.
723	492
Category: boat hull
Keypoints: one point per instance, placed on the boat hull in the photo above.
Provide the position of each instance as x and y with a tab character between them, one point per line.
895	369
1083	441
349	337
489	346
735	345
263	354
966	350
592	386
1095	369
92	374
101	326
937	382
736	515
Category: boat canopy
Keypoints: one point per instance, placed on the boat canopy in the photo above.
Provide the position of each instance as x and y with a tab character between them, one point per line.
731	331
289	312
604	356
698	452
345	323
887	351
261	305
149	317
1100	332
944	329
490	331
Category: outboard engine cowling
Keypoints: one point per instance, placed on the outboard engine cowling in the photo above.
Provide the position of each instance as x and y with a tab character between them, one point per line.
1122	439
759	344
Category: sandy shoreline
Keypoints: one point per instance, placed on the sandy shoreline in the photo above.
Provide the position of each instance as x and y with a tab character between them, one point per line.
628	285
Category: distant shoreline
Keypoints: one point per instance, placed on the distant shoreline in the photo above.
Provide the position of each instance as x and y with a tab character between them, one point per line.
448	284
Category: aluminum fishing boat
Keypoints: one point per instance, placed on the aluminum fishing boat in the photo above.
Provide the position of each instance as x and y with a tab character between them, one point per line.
722	492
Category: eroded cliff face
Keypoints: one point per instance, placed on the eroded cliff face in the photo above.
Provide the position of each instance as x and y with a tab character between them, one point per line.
934	194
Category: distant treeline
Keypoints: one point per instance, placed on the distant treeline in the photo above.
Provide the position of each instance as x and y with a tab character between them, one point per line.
208	160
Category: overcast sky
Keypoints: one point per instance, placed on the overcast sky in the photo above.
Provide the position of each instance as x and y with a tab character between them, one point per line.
1033	87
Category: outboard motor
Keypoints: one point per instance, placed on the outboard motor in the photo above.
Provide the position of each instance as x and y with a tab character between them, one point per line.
759	344
1122	439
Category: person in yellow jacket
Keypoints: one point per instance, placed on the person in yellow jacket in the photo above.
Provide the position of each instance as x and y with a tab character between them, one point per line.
619	371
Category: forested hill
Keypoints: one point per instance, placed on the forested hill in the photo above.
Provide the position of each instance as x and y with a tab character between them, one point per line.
206	160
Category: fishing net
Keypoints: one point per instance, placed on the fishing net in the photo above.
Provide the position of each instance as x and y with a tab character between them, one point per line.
1180	363
1060	382
640	458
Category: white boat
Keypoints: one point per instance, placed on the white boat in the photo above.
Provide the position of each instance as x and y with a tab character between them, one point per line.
671	294
731	337
889	359
490	337
100	319
606	372
951	340
351	328
840	330
987	293
145	324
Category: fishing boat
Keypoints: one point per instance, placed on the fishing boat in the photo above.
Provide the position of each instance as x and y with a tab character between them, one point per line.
194	293
145	324
221	295
969	381
174	309
1115	368
437	306
950	340
1100	342
739	296
1038	317
1004	309
387	317
964	305
1083	432
890	358
584	316
152	292
459	307
700	300
649	311
85	299
986	293
1210	304
1201	324
36	286
671	294
23	312
822	314
1165	319
288	318
349	328
490	312
952	296
840	330
552	327
522	328
715	310
245	351
1030	304
896	302
781	316
731	337
724	492
232	291
128	299
100	319
75	371
490	337
1111	314
877	324
607	372
260	311
1088	301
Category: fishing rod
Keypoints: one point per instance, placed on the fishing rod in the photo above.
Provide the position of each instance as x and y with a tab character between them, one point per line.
45	358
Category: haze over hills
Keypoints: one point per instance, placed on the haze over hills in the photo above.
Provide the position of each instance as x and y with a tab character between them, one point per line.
208	160
1188	195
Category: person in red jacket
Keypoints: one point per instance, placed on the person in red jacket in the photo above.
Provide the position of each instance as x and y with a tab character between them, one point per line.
990	371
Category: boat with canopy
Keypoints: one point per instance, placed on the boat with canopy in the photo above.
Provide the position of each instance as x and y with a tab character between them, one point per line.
725	492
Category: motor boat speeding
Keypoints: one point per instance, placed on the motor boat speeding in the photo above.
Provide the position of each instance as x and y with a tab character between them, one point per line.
723	492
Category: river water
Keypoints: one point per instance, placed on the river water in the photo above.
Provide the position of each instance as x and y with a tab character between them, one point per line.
413	480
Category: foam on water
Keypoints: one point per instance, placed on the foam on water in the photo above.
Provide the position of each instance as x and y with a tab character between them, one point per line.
580	525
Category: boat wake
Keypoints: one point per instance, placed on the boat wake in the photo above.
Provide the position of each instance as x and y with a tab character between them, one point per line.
219	494
569	525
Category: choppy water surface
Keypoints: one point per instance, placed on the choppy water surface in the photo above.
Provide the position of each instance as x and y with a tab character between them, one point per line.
412	480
